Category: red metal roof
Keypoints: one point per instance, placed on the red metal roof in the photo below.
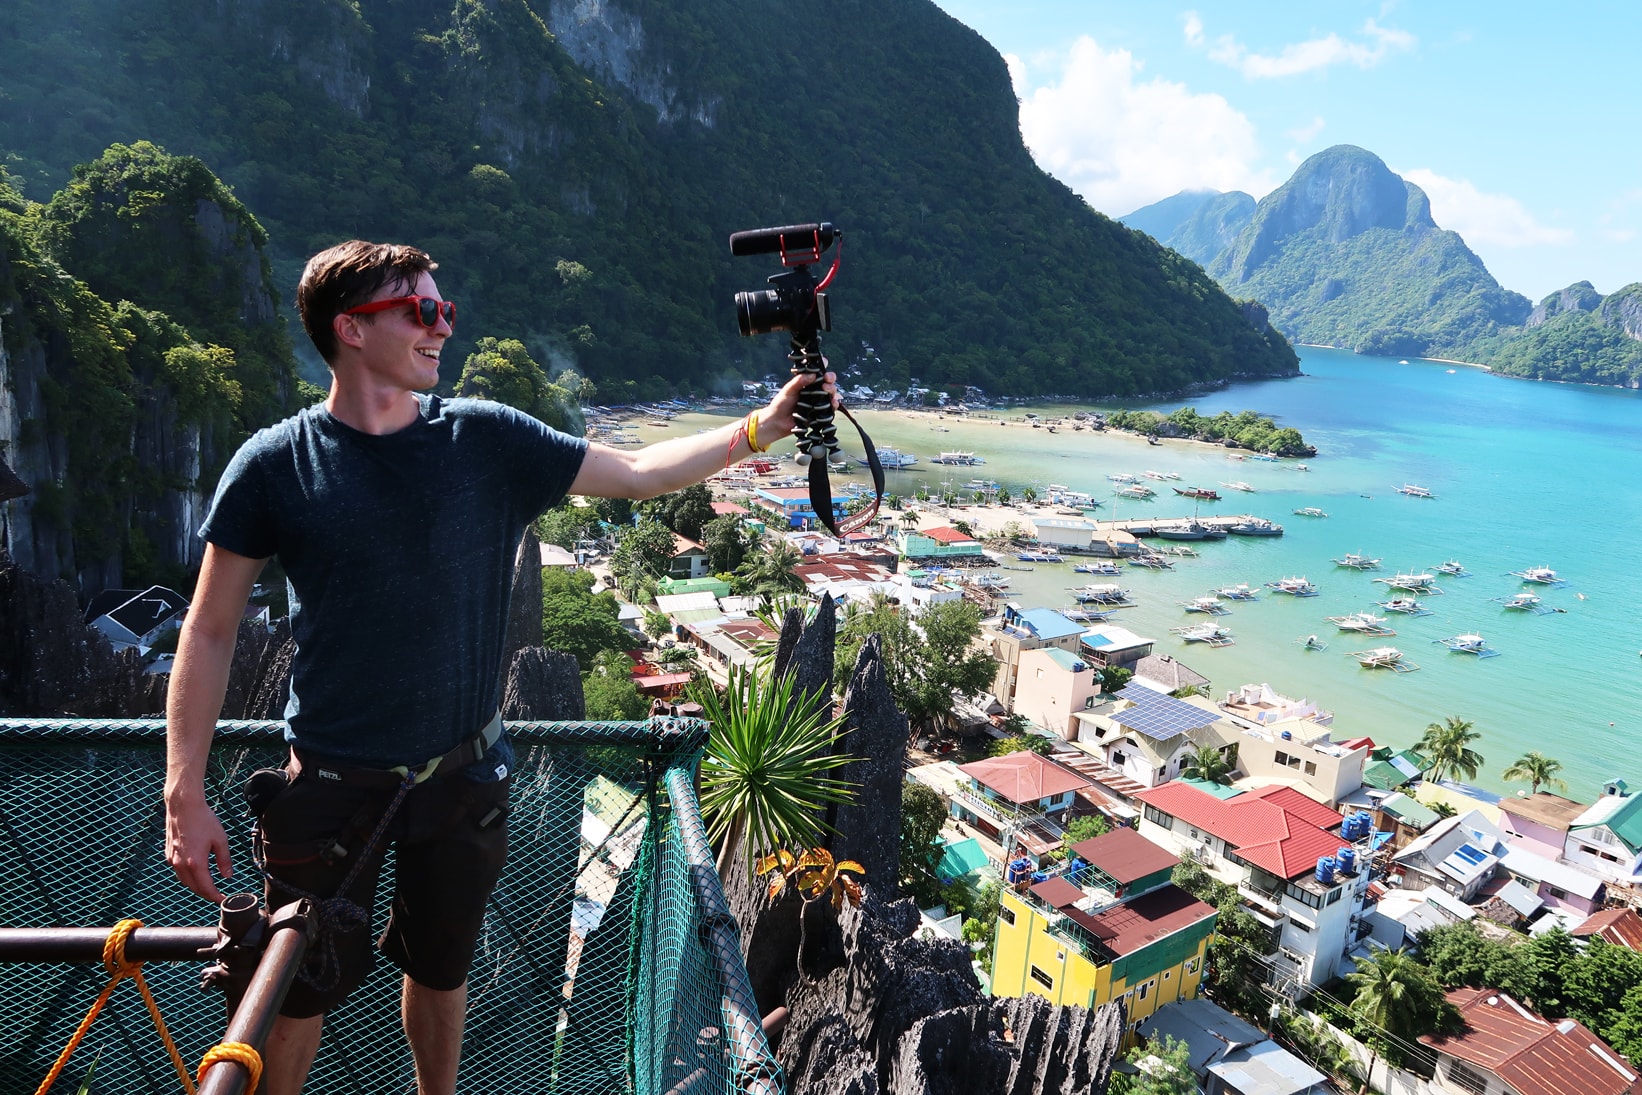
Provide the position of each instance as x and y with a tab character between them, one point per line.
1621	927
1533	1055
727	509
948	535
1023	777
1125	855
1126	928
1057	893
1300	805
1263	827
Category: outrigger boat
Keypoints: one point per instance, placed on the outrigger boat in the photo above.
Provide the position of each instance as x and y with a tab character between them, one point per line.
1526	602
1176	549
1213	634
1471	643
1415	491
1365	623
1238	484
1309	511
1105	566
1453	568
1242	591
1210	605
1151	561
1201	493
1408	606
1082	614
1101	593
1357	562
1255	526
1121	477
1544	576
1137	491
1383	657
1413	583
1311	642
1294	587
1039	556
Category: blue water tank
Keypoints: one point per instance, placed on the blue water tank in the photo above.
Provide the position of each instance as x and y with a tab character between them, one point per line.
1040	876
1325	869
1074	868
1353	827
1287	736
1018	869
1347	859
1365	824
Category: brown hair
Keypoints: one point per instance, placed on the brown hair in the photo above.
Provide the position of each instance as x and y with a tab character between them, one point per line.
348	275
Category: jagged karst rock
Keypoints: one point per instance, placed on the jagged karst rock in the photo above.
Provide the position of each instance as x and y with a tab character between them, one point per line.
875	734
259	679
524	614
543	686
53	665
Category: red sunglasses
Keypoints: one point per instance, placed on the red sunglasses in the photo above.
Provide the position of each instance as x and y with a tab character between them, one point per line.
427	309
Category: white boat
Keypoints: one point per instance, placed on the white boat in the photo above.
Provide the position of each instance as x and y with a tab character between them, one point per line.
1083	614
1136	490
1357	562
1182	550
1309	511
1365	623
1212	634
891	457
1039	556
1311	642
1453	568
990	581
1383	657
1163	476
1210	606
1255	526
1100	593
1268	456
1544	576
1242	591
1470	643
1527	602
958	458
1103	566
1408	606
1294	587
1414	491
1150	561
1238	484
1413	583
1121	477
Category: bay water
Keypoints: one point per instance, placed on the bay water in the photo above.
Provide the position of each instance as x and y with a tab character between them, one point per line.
1524	474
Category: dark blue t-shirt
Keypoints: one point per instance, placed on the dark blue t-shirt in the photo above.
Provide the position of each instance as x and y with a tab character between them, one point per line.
399	550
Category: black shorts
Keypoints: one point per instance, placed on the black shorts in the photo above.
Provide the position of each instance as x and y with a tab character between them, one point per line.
450	844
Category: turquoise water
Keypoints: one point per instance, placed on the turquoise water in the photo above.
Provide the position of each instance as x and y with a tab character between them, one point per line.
1525	474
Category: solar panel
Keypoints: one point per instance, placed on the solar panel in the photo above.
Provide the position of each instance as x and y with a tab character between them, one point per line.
1159	716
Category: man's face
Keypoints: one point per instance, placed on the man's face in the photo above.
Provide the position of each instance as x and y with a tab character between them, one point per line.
396	350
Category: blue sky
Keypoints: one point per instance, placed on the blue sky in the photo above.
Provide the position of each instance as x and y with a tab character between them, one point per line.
1519	120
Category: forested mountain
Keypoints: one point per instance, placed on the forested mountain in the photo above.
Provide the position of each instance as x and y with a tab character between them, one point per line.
576	167
1346	254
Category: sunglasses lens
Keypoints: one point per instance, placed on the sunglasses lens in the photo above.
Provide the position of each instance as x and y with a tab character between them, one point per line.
427	311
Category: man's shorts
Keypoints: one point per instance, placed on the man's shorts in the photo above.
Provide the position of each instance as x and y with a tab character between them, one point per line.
450	843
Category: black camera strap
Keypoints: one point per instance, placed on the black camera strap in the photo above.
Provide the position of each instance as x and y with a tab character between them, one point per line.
821	488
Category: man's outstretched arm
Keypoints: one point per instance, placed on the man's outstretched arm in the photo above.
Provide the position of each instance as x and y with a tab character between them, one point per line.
199	679
677	463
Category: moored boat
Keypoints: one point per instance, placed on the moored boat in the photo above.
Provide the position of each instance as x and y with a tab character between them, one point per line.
1544	576
1365	623
1212	634
1383	657
1470	643
1204	494
1415	491
1309	511
1357	562
1294	587
1255	526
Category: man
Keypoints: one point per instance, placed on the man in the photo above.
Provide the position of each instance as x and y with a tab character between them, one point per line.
396	515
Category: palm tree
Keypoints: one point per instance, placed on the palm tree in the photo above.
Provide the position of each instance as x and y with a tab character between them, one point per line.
1396	996
1208	763
1537	768
769	572
1447	745
764	777
1030	494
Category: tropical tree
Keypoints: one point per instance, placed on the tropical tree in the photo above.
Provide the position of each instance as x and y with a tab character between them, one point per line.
922	816
764	778
1161	1067
504	371
769	573
1447	745
1029	494
1536	768
687	512
643	556
1210	764
609	691
928	664
1398	999
577	621
727	542
1017	743
1084	827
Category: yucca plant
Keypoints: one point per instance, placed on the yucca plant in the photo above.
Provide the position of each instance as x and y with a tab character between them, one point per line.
813	873
764	778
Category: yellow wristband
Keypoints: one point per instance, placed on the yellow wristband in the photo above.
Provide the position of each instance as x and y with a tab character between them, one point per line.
752	433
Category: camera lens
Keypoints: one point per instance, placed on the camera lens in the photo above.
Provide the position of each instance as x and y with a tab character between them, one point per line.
762	311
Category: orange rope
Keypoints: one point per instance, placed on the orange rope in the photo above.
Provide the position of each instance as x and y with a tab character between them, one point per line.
241	1054
119	968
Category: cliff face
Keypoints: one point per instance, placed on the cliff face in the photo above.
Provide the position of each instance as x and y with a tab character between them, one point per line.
1581	296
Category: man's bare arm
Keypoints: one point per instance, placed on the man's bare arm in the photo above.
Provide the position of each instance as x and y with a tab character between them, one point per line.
675	464
199	679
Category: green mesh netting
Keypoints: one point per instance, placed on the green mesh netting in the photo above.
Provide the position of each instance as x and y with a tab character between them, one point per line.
608	962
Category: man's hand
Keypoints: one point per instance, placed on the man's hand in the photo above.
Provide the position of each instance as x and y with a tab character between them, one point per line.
776	420
193	839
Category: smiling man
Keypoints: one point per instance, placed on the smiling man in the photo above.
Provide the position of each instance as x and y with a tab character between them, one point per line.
396	515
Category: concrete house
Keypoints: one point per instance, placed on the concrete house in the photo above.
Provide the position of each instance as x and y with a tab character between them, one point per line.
1607	837
1005	637
130	618
1506	1049
1540	821
1052	686
1231	1057
1020	798
1146	735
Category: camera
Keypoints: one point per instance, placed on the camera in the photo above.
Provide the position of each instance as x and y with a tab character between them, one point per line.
795	301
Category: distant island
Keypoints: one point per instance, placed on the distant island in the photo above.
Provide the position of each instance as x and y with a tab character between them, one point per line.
1346	254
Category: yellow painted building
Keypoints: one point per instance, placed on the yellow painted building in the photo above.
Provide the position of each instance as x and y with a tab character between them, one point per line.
1111	927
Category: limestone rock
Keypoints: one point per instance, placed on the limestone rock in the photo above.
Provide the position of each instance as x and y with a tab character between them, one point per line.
875	734
259	680
543	686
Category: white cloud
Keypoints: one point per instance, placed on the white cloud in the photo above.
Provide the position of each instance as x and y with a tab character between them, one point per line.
1194	29
1373	46
1123	143
1304	133
1487	220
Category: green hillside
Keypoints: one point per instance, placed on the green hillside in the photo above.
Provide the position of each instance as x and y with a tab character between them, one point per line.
576	169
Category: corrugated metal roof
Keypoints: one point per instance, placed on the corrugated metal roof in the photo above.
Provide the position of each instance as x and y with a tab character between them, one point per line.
1621	927
1125	855
1023	777
1531	1054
